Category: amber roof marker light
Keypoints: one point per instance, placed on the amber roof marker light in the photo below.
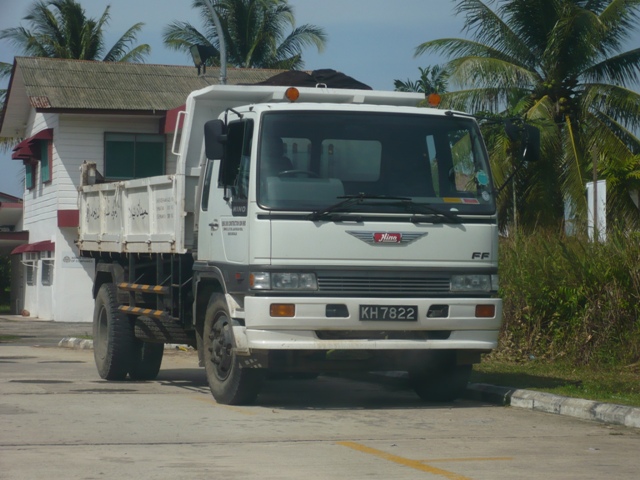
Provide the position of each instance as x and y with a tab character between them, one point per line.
433	99
292	94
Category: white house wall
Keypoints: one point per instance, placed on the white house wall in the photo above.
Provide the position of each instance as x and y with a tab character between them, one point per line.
73	301
40	219
40	202
76	138
80	138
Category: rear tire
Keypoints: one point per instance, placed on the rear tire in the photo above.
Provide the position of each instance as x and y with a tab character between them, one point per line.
444	382
113	338
229	384
147	360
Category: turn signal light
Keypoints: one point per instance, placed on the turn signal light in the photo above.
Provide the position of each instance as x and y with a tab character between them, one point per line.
485	311
282	310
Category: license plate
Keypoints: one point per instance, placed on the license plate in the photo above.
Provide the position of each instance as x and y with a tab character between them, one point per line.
400	313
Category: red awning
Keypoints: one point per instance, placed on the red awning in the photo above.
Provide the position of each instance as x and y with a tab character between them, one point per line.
44	246
25	149
171	118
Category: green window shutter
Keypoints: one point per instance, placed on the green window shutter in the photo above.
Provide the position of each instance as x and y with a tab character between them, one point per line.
45	167
149	156
119	156
28	176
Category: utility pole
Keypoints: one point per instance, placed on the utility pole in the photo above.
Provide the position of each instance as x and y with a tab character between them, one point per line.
221	43
596	232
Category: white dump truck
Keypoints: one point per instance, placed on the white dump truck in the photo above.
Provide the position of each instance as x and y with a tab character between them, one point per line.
305	231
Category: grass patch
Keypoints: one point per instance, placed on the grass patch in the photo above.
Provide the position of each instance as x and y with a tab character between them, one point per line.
620	385
9	338
5	309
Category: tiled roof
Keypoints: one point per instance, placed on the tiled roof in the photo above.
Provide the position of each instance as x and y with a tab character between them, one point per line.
61	84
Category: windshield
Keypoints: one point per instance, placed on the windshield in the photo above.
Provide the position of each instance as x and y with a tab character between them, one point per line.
311	160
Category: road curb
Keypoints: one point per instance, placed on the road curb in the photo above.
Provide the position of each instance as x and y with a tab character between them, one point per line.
557	404
78	343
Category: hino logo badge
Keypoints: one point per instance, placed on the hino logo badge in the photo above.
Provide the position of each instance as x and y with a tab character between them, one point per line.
386	238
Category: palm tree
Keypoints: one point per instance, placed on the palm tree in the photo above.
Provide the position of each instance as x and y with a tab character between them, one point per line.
61	29
432	80
254	32
562	64
5	71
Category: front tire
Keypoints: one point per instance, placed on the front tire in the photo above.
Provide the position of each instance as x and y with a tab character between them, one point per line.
113	337
229	384
147	360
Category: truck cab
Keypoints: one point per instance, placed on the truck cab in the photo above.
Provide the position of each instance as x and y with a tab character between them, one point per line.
340	235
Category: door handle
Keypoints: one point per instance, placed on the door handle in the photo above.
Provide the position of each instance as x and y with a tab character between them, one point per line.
214	225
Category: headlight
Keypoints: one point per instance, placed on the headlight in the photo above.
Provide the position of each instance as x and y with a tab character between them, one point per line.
283	281
472	283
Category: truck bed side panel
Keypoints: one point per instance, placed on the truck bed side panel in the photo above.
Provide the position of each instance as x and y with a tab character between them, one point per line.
146	215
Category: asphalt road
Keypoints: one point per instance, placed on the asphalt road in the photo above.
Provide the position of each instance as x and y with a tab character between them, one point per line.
59	420
20	331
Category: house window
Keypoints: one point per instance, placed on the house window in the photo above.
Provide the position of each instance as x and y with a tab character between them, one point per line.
45	162
30	175
47	268
129	155
29	260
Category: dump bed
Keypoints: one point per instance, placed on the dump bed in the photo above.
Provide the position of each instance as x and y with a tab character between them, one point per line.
142	215
158	214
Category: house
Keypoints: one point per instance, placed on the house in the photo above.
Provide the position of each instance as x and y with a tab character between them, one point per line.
65	112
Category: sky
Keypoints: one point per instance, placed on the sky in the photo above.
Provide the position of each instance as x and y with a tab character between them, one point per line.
370	40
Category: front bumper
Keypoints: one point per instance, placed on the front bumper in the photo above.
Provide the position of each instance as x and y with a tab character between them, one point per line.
304	330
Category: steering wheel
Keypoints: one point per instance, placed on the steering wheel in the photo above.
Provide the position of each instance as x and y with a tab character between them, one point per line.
293	173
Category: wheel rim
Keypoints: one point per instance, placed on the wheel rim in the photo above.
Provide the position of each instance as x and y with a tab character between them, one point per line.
221	348
100	345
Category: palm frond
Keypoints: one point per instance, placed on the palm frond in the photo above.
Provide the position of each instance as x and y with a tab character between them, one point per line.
608	135
460	47
257	33
120	51
488	72
620	19
618	102
61	29
623	69
488	28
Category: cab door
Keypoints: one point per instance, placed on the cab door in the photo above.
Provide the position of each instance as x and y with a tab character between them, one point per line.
223	232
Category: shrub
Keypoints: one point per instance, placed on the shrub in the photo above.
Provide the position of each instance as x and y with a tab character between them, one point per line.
568	297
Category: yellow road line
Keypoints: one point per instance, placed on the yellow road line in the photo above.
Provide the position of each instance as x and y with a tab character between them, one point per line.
415	464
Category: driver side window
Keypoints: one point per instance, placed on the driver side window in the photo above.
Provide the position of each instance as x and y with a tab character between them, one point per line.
238	156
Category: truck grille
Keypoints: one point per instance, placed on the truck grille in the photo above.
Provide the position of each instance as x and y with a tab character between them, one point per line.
382	286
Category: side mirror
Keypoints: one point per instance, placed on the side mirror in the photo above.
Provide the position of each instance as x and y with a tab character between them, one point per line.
531	142
529	138
214	139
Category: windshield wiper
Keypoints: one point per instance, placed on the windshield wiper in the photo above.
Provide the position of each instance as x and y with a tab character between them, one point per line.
349	200
423	208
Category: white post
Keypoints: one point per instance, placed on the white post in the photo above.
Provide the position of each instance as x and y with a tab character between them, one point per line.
597	217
